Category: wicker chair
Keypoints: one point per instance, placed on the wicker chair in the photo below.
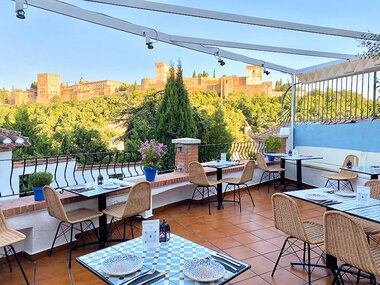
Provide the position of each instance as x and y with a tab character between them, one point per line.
246	176
68	219
198	177
371	228
287	219
7	238
139	201
346	240
268	172
343	175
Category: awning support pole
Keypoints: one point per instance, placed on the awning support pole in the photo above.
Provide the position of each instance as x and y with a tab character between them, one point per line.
292	112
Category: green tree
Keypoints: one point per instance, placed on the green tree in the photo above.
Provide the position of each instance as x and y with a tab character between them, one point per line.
213	75
174	118
140	121
3	96
33	85
194	74
84	140
218	132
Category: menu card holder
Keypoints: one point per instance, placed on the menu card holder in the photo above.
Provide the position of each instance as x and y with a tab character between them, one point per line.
223	157
363	194
151	234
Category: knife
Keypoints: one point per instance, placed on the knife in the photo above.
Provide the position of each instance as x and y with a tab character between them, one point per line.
227	259
154	277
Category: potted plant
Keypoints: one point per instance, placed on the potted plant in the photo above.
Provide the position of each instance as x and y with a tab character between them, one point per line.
152	153
272	144
37	181
252	155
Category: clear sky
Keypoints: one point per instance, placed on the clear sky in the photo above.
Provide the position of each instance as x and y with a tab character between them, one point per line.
48	42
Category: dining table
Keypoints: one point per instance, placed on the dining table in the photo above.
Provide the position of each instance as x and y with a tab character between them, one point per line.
170	258
373	171
342	201
100	191
220	165
298	159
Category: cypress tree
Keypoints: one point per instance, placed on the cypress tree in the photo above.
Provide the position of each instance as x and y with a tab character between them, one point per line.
174	118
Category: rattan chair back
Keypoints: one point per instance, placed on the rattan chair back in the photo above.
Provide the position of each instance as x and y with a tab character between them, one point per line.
374	184
3	223
287	217
355	162
139	199
345	239
248	172
54	204
261	162
197	174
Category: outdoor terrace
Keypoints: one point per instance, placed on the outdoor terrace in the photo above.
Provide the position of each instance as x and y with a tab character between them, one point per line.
249	236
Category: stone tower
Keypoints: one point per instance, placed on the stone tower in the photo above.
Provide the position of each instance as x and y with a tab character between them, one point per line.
161	71
253	75
48	86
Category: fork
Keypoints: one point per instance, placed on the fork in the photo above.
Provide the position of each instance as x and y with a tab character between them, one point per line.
151	271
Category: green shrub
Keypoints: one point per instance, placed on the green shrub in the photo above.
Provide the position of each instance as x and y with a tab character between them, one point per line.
40	179
272	144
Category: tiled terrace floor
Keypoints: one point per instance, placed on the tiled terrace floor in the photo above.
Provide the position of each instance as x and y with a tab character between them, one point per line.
248	236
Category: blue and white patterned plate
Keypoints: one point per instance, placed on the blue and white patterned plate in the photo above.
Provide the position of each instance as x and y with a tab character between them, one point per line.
122	264
203	270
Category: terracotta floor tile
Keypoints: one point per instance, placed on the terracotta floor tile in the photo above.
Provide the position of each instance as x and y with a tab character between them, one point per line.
283	277
246	238
225	242
59	280
250	226
260	264
213	234
257	280
48	271
230	230
263	247
241	252
84	277
266	233
200	227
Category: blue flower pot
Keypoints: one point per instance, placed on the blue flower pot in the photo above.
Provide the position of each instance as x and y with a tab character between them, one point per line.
38	194
270	157
150	173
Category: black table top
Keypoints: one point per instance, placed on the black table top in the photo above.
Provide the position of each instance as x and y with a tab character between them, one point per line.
93	189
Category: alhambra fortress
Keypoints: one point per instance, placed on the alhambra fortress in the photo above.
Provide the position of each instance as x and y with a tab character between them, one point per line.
49	86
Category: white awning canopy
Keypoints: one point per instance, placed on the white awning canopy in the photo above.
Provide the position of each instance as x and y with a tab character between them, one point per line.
340	70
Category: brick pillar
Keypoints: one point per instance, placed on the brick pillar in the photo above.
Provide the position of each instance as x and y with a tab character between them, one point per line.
186	151
283	145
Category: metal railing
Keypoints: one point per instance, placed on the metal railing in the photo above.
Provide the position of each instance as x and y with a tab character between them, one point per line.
237	151
337	100
79	168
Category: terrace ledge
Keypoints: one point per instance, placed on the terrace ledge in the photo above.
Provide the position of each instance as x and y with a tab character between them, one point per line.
24	205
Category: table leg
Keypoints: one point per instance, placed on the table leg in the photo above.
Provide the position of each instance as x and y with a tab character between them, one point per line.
282	173
219	187
374	176
299	174
102	204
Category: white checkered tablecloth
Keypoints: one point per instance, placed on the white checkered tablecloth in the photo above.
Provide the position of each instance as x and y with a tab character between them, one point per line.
371	213
170	256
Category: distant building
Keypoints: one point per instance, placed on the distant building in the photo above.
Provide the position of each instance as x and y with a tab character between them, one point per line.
250	84
48	86
87	89
19	97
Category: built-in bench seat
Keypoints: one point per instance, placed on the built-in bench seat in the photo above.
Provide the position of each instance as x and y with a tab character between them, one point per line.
333	158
